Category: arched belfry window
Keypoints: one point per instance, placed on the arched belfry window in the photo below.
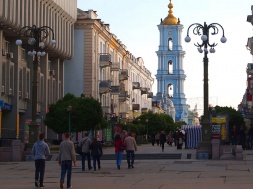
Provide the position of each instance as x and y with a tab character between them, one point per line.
170	44
170	91
170	67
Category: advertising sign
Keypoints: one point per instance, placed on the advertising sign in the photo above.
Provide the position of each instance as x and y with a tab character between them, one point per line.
220	127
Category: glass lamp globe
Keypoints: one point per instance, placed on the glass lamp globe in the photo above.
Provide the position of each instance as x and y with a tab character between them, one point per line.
18	42
223	39
187	39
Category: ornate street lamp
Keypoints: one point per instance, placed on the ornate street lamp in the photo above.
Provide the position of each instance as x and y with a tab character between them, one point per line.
138	130
147	129
69	109
36	37
205	30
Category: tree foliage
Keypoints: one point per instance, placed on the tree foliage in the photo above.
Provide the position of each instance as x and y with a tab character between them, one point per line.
86	114
154	123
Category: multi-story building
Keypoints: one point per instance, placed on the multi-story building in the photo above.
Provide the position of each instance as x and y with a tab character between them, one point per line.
16	67
246	106
103	68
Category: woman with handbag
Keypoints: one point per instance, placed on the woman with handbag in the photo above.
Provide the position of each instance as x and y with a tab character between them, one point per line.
119	148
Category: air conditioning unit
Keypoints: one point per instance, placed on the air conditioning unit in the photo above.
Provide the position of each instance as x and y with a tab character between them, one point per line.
3	91
10	55
10	91
3	52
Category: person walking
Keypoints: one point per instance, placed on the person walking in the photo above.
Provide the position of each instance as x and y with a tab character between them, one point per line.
96	152
153	139
118	144
130	148
162	139
40	151
157	136
85	143
66	156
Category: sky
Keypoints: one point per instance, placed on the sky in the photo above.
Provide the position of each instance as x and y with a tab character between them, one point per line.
135	22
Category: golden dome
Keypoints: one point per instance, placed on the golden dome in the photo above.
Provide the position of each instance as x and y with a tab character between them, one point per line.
170	19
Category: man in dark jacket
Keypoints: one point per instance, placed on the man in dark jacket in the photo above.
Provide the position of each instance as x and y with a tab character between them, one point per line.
162	139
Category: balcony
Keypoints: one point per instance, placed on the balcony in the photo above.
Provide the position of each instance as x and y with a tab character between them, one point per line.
144	90
115	90
150	95
123	75
105	87
123	95
115	67
135	107
136	85
105	60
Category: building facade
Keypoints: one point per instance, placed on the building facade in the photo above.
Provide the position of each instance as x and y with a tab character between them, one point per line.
104	69
16	67
170	74
246	105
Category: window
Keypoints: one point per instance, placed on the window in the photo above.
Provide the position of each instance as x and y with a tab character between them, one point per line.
3	77
20	82
41	88
7	46
27	83
11	79
170	67
170	44
23	54
170	90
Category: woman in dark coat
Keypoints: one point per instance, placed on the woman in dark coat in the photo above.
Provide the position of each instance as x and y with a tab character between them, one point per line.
96	152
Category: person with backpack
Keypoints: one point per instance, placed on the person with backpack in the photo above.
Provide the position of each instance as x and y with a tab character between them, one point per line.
85	143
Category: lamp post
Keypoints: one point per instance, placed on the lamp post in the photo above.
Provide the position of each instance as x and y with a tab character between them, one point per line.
147	129
69	109
205	30
138	130
36	36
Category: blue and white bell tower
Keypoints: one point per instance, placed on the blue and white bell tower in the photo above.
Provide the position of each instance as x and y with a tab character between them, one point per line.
170	74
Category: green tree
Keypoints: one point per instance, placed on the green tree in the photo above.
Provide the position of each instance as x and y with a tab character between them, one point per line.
178	125
86	114
156	122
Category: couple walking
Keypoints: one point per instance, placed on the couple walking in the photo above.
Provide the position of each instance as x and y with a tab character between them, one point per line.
90	148
129	144
66	155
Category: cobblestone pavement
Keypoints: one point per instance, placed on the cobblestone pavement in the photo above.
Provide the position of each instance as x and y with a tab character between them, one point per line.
147	174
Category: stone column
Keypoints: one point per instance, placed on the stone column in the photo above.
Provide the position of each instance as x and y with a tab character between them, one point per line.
215	148
17	150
